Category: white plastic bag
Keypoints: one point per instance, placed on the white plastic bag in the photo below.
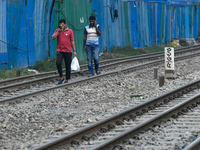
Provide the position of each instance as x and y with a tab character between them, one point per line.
75	64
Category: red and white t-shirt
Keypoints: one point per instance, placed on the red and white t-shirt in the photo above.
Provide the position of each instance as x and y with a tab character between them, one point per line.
64	40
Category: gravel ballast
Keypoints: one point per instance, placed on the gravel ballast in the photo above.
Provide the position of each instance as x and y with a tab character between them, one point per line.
38	119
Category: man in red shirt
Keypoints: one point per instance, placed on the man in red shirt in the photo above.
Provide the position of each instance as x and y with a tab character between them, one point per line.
65	43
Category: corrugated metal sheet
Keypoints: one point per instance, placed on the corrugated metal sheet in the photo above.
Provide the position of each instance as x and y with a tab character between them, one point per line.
16	33
140	23
3	47
39	25
159	23
169	2
76	14
26	31
126	22
27	26
113	29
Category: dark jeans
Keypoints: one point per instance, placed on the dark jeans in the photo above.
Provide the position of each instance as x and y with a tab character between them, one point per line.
68	58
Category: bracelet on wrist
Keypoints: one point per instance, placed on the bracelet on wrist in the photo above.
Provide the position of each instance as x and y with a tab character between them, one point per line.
74	50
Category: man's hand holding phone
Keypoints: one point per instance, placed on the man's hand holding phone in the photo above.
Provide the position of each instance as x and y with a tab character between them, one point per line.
60	29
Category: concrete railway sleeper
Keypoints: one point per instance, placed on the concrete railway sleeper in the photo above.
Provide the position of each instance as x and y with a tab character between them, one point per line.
31	117
9	93
123	130
53	75
164	131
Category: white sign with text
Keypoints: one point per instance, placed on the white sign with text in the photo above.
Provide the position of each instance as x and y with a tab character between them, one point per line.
169	58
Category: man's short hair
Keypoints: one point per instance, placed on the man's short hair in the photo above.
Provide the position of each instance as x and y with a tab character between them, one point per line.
92	18
62	21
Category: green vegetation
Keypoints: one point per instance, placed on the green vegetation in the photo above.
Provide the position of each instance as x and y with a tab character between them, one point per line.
1	137
4	74
46	65
118	83
131	51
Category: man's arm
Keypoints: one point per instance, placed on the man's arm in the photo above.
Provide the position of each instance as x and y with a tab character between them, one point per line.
54	36
73	46
84	41
98	32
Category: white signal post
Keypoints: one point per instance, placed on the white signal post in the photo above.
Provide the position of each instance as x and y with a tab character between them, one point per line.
169	62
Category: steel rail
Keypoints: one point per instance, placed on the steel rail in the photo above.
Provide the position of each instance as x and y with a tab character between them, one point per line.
110	65
83	80
133	111
120	138
195	145
46	74
25	83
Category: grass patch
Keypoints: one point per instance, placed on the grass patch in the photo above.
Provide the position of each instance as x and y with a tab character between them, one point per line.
4	74
46	65
131	51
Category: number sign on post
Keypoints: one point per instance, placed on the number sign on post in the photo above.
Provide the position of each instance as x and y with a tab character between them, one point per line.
169	62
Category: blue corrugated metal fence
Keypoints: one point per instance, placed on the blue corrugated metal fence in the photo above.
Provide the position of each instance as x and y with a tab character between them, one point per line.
25	32
27	26
3	38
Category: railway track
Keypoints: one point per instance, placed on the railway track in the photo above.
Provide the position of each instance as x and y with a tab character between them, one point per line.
25	89
15	96
52	75
194	145
166	113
